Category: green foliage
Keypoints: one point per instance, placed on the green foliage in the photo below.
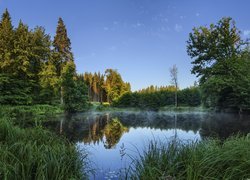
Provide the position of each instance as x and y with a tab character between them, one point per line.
31	71
108	87
155	98
220	61
14	91
62	47
36	154
208	159
74	90
216	44
114	85
6	43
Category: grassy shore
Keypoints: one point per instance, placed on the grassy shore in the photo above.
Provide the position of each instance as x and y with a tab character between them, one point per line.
96	106
208	159
37	154
21	114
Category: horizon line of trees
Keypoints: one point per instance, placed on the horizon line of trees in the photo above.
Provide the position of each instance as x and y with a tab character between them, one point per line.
154	98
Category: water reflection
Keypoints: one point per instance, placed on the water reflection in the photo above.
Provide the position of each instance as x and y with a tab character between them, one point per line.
104	134
113	132
108	128
224	125
105	130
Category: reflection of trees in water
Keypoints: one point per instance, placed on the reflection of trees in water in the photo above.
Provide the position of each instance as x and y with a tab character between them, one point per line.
105	128
91	129
113	132
162	121
96	129
224	125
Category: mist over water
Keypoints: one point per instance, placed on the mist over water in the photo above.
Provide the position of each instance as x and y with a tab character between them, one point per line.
112	138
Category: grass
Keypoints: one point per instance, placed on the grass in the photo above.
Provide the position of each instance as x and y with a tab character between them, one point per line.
97	106
184	109
37	154
29	113
208	159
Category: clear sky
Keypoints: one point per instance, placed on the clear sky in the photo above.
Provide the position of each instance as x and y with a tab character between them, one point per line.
142	39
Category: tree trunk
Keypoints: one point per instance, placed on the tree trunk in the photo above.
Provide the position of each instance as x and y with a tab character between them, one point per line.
61	98
176	100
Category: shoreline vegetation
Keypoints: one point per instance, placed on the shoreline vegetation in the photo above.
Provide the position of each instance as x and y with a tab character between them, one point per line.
36	153
32	147
207	159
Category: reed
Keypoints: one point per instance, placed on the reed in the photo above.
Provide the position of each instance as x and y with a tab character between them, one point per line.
208	159
38	154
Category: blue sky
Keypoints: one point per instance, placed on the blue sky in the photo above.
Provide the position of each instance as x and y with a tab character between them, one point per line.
142	39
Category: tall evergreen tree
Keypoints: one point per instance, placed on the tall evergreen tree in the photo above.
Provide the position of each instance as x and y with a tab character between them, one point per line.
6	43
62	50
62	47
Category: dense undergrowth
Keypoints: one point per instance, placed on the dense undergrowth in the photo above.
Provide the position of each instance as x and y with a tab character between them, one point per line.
208	159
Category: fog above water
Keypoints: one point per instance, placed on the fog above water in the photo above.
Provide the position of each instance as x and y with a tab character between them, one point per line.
111	137
78	127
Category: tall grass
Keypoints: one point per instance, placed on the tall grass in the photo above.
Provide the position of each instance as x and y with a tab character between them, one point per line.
37	154
209	159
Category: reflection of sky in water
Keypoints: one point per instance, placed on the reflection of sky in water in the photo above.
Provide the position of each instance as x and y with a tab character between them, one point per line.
104	135
135	140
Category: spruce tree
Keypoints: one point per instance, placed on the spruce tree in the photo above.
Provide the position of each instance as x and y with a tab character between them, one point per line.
62	50
6	43
62	47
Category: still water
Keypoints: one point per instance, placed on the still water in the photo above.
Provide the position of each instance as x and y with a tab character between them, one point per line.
114	139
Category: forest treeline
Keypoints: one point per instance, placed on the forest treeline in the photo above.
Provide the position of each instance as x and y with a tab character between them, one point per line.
221	61
36	70
105	87
155	97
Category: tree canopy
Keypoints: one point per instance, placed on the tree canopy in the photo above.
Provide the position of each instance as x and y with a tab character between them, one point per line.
219	58
32	71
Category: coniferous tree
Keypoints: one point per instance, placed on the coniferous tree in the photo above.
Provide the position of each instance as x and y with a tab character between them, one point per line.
6	43
74	95
62	50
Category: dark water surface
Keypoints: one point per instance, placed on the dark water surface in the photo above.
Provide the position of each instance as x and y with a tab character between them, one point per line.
113	138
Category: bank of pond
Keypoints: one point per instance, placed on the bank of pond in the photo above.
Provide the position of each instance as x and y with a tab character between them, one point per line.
42	143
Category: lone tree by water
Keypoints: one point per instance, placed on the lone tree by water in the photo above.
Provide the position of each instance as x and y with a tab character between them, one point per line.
174	81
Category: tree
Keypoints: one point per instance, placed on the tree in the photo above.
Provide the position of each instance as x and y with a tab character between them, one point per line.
114	85
6	43
62	50
214	46
217	52
40	47
49	81
174	81
74	91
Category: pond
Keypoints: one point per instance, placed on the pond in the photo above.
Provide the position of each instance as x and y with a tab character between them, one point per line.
114	139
